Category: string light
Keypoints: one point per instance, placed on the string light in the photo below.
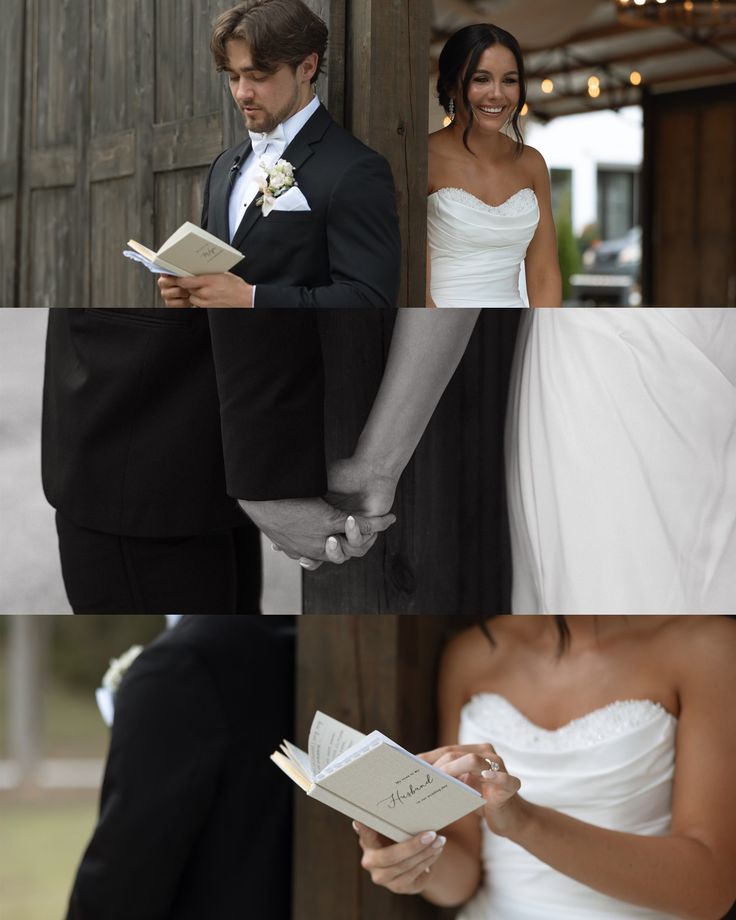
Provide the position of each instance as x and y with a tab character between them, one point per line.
548	86
635	78
524	110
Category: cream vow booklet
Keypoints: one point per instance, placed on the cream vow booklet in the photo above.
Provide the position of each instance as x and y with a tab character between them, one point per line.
188	252
375	781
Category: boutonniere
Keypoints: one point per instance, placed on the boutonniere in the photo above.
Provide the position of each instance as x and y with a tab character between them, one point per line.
273	182
111	682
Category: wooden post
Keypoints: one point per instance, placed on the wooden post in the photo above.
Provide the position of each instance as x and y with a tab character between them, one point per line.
371	673
386	77
449	551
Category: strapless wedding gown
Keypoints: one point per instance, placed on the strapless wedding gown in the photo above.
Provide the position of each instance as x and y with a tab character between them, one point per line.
613	768
476	250
621	461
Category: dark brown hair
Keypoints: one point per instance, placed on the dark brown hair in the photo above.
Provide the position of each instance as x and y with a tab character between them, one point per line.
458	61
277	32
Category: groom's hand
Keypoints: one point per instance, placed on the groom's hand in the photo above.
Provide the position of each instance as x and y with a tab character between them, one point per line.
303	528
223	290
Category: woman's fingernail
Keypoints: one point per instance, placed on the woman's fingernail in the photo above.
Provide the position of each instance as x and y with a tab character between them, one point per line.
439	843
428	837
489	774
351	522
332	543
305	564
356	828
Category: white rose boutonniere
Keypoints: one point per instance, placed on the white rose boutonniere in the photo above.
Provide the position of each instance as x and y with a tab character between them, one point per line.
111	682
273	181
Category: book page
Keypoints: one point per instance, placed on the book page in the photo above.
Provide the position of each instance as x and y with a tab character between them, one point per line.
328	739
398	787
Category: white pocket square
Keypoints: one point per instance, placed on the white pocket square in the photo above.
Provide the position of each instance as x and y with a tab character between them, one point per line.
293	200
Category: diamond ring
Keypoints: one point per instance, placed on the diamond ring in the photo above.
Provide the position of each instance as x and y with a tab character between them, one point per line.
494	765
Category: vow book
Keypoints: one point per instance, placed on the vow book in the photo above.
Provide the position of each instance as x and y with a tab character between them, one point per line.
188	252
372	779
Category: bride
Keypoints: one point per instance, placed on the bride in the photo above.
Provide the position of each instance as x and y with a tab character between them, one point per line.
604	749
621	453
488	205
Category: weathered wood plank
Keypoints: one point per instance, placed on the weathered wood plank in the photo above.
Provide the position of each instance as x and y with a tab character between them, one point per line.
187	143
112	156
54	167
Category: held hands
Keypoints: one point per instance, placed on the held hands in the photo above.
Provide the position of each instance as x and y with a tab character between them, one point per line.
310	529
403	868
361	499
480	767
222	290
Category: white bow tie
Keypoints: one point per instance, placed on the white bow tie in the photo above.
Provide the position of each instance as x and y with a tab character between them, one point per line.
275	140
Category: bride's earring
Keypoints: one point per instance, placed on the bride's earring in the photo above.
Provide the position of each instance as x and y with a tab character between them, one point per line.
451	108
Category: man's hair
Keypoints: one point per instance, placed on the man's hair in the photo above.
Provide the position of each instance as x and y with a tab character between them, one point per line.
277	32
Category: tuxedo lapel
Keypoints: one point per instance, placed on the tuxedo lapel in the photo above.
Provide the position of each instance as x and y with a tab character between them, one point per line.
297	153
222	190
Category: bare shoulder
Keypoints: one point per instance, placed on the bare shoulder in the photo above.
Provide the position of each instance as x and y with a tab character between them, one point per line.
466	656
533	161
700	647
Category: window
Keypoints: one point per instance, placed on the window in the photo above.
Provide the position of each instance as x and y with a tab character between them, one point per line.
618	202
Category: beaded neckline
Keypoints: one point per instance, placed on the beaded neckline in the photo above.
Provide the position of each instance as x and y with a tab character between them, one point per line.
588	730
519	203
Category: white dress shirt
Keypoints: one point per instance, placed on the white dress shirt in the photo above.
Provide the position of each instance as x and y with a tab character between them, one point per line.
246	186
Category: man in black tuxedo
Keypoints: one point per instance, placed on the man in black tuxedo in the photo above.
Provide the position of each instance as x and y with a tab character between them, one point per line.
195	821
333	239
132	455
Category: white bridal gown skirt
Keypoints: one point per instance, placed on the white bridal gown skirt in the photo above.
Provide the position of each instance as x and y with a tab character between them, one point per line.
621	461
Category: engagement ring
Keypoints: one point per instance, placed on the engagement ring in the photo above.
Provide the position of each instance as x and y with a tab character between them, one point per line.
493	764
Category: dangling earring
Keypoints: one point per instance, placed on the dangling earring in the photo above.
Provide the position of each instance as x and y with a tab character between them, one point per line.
451	108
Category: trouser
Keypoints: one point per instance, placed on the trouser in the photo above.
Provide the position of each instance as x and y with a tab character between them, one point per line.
207	573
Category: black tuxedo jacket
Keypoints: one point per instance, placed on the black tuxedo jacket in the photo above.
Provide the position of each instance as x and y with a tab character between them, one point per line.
194	818
344	252
132	438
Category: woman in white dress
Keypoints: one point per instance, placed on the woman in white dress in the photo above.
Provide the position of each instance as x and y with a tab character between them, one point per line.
489	204
621	453
606	766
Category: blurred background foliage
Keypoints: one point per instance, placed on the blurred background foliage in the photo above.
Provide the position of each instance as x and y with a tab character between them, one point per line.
43	832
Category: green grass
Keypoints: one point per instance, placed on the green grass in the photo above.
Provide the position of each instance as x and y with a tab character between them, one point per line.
41	843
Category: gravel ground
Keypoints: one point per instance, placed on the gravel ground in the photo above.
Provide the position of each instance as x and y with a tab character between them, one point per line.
30	577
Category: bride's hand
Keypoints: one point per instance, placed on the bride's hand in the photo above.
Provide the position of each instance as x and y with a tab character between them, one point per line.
480	767
403	868
353	486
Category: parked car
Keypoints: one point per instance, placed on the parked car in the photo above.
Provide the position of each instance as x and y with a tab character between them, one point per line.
611	273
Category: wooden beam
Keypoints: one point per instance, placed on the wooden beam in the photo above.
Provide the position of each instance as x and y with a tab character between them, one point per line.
371	673
387	106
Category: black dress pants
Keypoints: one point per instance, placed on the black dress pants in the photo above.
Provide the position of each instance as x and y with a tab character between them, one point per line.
208	573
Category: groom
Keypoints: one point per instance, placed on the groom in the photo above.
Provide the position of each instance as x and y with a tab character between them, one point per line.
143	459
331	240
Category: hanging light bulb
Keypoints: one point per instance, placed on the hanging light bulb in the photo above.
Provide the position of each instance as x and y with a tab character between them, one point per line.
548	86
524	110
635	78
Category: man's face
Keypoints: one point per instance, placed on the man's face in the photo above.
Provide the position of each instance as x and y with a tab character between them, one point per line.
266	99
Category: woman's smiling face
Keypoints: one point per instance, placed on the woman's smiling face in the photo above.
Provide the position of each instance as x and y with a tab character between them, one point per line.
494	89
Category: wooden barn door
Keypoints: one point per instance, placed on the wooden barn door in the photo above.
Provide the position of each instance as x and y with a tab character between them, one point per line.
690	143
449	551
372	673
11	93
